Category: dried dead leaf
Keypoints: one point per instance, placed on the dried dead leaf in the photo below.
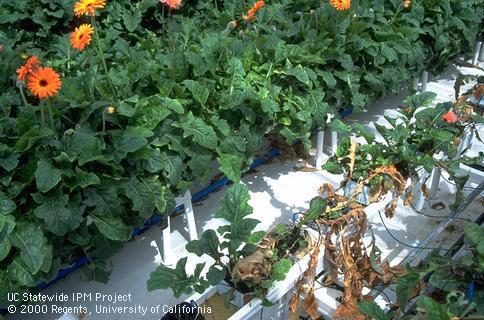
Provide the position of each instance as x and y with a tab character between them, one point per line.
255	267
352	156
390	212
310	306
345	312
425	191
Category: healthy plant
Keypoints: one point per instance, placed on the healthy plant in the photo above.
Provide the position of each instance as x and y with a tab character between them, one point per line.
240	257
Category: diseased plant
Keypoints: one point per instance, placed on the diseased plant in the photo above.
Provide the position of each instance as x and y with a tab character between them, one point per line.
442	287
409	145
244	259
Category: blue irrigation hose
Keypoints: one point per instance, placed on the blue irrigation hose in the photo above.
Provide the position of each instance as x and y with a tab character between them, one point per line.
79	263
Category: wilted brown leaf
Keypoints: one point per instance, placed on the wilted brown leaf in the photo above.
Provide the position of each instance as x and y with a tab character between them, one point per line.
376	194
310	306
352	156
255	267
345	312
425	191
390	212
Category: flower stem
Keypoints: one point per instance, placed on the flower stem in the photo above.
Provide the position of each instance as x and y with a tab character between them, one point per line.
22	95
101	54
51	114
42	114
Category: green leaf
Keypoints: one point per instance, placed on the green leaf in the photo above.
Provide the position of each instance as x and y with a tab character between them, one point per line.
30	240
339	126
151	111
200	92
433	310
474	232
280	269
9	163
47	176
132	19
5	246
317	207
173	166
125	109
234	205
231	166
216	275
105	200
57	218
130	140
146	195
176	279
207	244
201	133
329	79
112	227
19	272
372	310
82	179
420	100
31	137
405	285
258	235
6	205
332	167
173	105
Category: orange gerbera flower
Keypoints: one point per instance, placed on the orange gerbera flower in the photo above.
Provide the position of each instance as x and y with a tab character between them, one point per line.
172	4
450	117
88	7
341	4
81	36
44	82
31	64
252	11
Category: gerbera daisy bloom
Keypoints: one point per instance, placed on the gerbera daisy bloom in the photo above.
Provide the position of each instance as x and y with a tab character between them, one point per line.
31	64
44	82
172	4
341	4
450	117
252	11
81	36
88	7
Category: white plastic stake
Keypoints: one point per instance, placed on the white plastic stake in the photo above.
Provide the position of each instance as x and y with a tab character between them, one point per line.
415	83
477	52
419	199
167	254
334	142
319	149
425	80
481	53
192	227
434	187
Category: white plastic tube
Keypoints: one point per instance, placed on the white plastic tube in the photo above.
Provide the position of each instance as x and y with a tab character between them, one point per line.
334	142
425	80
319	149
477	52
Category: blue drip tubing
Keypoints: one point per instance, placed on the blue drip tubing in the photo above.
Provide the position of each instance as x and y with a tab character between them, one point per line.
157	219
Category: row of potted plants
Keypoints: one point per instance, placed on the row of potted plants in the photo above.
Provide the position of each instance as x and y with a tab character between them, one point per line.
252	263
125	104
